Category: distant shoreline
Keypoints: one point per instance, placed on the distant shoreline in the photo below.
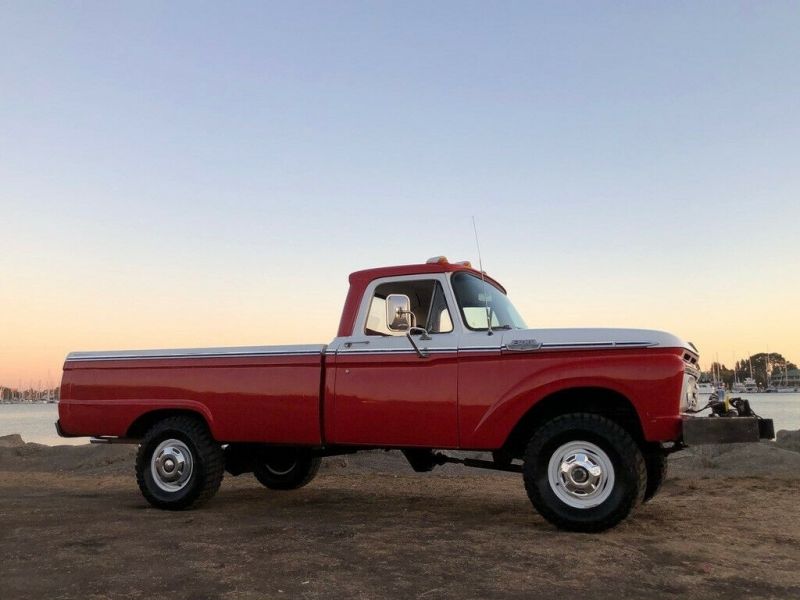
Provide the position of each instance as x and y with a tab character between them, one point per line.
21	402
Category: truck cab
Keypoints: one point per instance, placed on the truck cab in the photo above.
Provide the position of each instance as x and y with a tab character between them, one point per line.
436	355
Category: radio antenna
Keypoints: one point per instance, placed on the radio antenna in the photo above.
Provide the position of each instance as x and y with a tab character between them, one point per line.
483	279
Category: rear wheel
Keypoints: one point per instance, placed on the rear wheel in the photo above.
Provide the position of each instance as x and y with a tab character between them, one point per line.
285	468
584	472
179	465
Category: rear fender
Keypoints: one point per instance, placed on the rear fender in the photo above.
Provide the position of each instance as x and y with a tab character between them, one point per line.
139	427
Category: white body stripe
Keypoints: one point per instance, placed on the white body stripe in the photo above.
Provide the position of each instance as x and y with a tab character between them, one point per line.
242	351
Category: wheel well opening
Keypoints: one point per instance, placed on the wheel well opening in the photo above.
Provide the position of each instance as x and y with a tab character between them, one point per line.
601	401
143	423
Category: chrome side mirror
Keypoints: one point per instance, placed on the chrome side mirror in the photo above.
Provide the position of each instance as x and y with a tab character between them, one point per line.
400	318
398	312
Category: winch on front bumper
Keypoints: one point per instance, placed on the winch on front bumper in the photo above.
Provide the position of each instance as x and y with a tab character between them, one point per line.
732	420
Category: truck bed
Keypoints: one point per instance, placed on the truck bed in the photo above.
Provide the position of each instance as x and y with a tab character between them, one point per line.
246	394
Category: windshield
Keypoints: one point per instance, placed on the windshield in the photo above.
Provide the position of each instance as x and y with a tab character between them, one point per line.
474	296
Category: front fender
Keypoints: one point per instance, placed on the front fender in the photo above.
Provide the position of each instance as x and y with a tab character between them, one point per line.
650	380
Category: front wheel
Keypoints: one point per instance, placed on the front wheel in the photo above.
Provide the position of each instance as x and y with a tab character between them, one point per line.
179	465
584	472
286	469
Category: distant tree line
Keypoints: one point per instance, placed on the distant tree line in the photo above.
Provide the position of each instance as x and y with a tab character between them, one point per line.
8	394
764	368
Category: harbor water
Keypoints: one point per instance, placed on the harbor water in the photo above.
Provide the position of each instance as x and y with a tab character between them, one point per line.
35	422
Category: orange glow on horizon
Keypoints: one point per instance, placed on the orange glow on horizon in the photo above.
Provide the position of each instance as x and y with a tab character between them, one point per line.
43	330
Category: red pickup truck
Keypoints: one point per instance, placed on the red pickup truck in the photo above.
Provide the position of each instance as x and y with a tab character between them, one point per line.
428	358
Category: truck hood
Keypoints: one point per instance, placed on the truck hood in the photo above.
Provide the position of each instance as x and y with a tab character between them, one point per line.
588	339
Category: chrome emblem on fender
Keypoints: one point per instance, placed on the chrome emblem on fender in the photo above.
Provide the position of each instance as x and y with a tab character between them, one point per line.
523	345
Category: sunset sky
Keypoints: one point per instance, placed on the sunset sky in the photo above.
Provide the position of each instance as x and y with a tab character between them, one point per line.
190	174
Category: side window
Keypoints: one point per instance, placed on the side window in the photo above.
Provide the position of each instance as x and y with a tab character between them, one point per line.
428	304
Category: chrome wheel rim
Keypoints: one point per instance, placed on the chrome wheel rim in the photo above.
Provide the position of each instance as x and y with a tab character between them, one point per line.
171	465
581	474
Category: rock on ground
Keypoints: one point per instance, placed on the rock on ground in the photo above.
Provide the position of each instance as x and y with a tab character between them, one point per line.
11	441
789	440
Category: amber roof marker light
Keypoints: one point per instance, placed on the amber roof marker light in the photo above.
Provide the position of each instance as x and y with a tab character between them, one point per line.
437	260
442	260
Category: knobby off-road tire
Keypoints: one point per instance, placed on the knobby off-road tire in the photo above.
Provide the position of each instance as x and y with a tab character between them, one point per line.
179	465
657	467
584	472
286	469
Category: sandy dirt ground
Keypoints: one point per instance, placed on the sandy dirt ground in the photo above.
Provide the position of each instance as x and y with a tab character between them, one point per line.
73	525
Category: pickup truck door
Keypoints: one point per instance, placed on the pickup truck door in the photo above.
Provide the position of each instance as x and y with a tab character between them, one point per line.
386	395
